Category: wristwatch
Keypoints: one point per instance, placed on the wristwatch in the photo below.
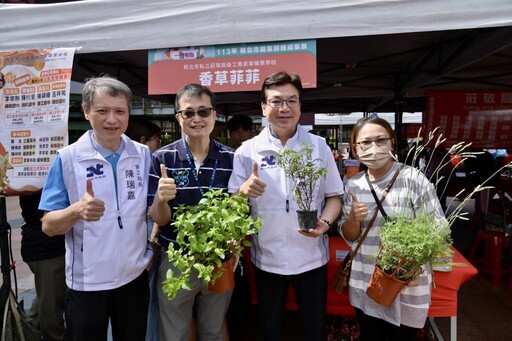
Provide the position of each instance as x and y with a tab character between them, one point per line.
326	221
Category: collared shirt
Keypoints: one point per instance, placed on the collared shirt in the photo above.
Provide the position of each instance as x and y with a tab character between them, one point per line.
55	195
213	173
111	157
278	247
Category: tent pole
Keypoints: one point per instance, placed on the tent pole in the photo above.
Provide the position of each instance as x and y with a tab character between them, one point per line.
398	122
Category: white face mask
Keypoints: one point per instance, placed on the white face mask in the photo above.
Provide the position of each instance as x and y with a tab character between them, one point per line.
375	157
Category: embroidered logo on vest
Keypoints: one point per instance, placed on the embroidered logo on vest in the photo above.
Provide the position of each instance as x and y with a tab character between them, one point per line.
94	170
268	161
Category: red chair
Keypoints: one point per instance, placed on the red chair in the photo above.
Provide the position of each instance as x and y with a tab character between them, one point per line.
490	262
494	240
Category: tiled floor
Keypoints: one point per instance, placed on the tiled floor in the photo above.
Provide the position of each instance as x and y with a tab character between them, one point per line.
485	310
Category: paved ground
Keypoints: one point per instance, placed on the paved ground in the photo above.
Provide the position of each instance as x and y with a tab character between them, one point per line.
25	279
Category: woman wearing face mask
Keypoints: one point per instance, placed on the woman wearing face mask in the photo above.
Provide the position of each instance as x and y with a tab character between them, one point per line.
373	142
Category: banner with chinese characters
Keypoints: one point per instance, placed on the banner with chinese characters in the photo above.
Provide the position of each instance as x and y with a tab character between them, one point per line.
227	68
481	117
34	105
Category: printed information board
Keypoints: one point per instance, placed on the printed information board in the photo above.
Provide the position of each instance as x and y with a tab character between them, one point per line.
34	106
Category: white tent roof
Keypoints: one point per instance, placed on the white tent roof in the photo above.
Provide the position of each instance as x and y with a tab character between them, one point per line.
119	25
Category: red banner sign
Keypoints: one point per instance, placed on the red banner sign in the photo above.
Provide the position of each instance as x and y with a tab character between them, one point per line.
481	117
230	68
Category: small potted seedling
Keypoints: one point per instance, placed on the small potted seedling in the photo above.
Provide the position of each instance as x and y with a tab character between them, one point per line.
305	173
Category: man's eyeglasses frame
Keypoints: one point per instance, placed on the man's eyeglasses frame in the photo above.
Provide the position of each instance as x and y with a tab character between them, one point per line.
278	102
201	112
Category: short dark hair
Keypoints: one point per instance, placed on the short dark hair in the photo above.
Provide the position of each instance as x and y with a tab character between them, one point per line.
279	79
142	127
374	119
239	121
193	90
110	85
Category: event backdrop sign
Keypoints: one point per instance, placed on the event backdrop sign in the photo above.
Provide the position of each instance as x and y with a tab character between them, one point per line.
34	105
227	68
481	117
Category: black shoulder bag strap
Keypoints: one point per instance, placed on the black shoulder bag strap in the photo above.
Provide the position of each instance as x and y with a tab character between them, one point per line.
379	203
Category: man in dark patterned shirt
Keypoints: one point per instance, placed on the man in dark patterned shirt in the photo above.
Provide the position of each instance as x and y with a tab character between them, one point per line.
181	173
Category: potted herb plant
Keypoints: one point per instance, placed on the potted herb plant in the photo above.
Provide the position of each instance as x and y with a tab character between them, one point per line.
209	234
408	244
305	173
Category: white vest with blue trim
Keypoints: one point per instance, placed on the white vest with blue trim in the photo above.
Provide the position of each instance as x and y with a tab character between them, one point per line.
111	252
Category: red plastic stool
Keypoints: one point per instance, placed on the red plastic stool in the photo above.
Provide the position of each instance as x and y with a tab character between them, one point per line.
493	245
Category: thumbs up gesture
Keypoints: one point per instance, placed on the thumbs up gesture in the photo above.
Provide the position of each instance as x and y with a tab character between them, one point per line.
90	208
253	187
166	186
358	211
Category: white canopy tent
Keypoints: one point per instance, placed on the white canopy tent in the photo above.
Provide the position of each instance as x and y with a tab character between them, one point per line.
371	54
120	25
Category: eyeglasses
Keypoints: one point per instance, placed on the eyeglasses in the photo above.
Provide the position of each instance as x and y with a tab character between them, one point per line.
380	142
278	103
190	113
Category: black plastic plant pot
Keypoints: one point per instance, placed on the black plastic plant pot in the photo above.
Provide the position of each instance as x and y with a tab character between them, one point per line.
307	219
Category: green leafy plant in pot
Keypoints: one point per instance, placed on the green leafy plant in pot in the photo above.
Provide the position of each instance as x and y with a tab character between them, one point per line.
209	234
305	173
407	245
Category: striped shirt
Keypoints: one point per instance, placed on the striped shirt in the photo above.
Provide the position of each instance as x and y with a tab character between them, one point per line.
213	173
411	194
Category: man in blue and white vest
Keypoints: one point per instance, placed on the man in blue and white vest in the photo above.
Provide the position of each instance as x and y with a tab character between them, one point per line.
96	194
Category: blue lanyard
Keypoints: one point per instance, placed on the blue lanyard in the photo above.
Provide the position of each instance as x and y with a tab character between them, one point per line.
194	171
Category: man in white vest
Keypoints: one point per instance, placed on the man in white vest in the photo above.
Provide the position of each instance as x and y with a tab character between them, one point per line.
96	194
282	254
